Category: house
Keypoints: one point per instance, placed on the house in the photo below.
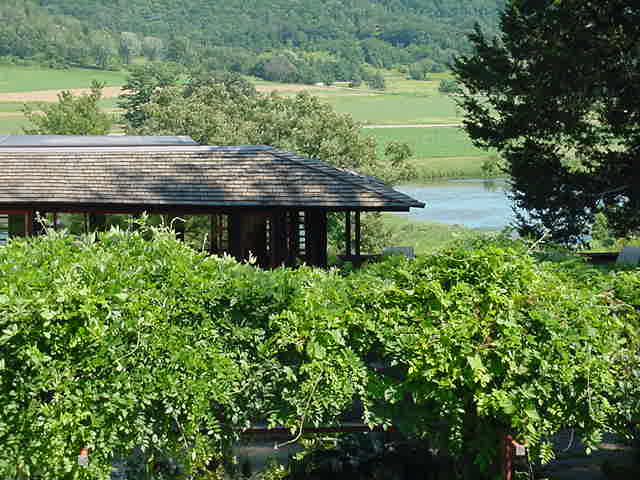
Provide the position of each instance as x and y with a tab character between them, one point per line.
258	200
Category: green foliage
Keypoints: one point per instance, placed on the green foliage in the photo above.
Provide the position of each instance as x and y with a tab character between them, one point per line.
600	232
557	95
219	112
28	31
375	81
79	115
420	70
104	357
488	341
143	81
380	33
448	86
126	340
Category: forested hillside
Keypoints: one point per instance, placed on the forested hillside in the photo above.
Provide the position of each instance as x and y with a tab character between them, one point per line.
292	40
29	32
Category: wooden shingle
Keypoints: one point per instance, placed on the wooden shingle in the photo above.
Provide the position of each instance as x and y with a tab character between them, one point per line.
203	176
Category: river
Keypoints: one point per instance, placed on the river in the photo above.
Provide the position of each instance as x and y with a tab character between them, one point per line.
474	203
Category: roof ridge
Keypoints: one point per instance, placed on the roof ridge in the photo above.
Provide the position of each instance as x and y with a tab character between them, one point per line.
323	166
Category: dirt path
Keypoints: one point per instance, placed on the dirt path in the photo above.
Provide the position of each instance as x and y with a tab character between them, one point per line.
111	92
52	95
417	125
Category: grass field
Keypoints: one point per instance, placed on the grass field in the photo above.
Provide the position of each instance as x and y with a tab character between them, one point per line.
11	124
10	107
398	108
428	142
425	237
438	152
28	79
23	81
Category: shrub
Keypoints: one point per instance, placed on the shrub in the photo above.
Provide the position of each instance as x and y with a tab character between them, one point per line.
133	342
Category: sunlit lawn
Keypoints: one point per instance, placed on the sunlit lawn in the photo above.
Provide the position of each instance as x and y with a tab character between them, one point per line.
27	79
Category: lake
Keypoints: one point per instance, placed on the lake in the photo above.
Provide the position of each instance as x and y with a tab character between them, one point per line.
474	203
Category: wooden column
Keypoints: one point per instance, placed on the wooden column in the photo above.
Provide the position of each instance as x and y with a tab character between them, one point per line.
212	232
278	239
235	236
358	232
316	238
97	222
28	223
180	228
347	233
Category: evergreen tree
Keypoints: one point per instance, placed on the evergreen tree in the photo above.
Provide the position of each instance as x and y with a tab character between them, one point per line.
558	94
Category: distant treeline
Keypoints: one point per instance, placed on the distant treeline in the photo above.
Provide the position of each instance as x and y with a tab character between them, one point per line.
305	41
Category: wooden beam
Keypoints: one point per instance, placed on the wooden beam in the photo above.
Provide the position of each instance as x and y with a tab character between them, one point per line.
13	212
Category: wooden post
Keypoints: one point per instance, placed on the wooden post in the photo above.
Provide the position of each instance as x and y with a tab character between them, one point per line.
211	233
358	234
278	237
347	232
179	226
507	457
97	222
316	238
321	222
28	223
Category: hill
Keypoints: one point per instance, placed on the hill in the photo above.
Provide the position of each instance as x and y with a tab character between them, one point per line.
294	40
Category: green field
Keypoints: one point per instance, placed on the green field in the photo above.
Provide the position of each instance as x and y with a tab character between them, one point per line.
14	79
28	79
428	142
425	237
398	108
11	124
10	107
438	152
403	102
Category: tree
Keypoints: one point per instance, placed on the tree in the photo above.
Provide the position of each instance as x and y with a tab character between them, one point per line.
179	49
142	83
79	115
376	81
104	50
558	94
224	111
448	86
130	46
277	68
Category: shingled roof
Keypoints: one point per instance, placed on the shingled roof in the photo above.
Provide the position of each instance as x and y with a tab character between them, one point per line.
200	176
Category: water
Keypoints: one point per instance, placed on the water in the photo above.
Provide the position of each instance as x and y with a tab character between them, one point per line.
478	204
